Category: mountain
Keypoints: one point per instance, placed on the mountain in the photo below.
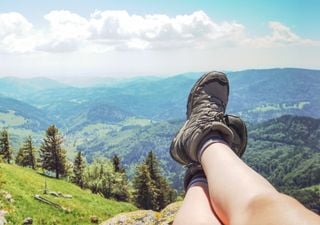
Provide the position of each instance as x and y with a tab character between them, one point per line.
19	87
22	184
18	114
256	95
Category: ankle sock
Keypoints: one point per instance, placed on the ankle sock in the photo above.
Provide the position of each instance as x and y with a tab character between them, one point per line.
198	178
213	138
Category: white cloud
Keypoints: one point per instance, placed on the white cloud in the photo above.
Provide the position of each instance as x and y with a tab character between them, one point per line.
14	33
105	31
281	36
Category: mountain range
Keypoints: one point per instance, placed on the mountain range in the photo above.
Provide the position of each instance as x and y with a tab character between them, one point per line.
132	117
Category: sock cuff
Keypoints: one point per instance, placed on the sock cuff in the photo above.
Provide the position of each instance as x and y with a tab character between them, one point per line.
199	178
216	138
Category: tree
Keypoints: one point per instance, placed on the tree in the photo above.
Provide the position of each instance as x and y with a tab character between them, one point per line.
100	177
5	150
116	163
165	194
78	169
145	190
52	155
26	155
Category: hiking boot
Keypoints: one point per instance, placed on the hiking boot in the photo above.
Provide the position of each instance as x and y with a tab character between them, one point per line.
194	174
206	106
239	130
239	142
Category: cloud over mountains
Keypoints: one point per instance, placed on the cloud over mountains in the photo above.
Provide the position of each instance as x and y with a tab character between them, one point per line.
105	31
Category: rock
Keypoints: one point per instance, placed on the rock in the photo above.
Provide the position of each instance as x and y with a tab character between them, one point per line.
3	220
140	217
54	193
7	196
94	219
27	220
169	213
146	217
66	196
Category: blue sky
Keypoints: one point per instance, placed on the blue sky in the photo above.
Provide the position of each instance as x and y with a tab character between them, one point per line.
233	34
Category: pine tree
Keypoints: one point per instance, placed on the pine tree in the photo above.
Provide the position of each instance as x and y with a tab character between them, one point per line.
5	150
163	190
145	189
116	163
78	169
26	155
53	157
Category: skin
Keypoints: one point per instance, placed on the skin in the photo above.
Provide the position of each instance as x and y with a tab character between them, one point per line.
237	195
196	207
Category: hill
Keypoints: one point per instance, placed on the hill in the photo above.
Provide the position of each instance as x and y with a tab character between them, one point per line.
18	87
23	184
18	114
258	95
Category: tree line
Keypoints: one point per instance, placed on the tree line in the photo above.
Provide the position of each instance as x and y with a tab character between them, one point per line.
148	189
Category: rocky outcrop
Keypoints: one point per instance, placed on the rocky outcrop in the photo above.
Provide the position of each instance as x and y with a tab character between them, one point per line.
146	217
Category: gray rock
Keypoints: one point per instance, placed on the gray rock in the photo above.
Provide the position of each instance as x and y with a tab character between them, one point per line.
27	220
3	220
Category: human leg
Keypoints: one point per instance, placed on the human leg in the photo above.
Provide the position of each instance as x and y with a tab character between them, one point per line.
205	124
239	195
196	207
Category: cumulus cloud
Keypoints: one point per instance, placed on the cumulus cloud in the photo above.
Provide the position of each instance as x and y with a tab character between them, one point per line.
14	33
118	30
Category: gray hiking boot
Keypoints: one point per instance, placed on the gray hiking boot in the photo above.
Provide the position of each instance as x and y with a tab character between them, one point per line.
205	117
239	130
194	173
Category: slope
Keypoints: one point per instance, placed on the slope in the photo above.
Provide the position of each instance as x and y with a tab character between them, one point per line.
23	184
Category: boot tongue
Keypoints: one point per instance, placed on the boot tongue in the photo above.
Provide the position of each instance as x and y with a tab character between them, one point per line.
217	92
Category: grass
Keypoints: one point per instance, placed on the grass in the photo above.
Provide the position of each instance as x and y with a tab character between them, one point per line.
24	183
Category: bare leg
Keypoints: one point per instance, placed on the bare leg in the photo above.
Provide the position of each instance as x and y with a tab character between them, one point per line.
196	208
239	195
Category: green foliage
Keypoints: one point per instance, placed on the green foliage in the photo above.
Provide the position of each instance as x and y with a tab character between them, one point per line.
145	189
152	191
5	150
23	183
100	177
52	155
286	151
116	163
78	170
26	155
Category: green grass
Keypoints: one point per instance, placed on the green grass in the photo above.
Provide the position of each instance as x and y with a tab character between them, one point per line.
24	183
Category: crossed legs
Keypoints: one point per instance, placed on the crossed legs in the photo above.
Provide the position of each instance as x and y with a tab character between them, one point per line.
236	194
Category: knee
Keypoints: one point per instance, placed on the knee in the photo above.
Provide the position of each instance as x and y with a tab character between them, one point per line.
259	208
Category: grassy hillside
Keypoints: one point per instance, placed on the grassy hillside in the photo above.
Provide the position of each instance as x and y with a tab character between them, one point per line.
23	184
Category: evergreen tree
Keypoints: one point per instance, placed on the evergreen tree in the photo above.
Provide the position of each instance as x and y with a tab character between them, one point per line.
163	190
116	163
145	189
26	155
53	157
78	169
5	150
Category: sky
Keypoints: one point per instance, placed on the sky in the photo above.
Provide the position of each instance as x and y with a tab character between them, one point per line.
126	38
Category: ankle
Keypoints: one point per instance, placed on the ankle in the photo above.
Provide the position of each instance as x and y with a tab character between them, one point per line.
213	138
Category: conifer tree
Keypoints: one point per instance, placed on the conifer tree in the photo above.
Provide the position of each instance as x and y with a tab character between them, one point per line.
52	156
26	155
5	150
162	187
116	163
78	170
145	189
